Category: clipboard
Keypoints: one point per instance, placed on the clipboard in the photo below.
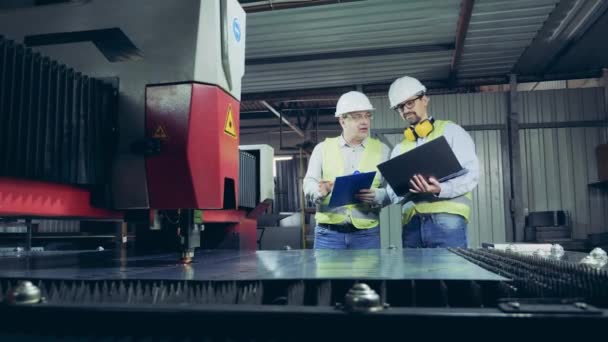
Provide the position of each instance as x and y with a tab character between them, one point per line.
345	188
432	159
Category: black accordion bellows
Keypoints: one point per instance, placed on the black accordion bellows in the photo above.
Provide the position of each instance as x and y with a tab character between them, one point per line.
56	124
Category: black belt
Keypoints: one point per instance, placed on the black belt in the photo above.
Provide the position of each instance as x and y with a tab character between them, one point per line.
341	228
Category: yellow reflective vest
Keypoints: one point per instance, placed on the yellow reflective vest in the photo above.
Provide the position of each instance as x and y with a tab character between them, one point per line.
460	205
362	215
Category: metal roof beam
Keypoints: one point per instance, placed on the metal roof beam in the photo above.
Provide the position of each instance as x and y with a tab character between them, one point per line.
591	18
283	118
432	85
567	24
466	10
351	54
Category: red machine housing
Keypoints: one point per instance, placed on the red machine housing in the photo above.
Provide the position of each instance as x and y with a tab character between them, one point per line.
198	165
21	197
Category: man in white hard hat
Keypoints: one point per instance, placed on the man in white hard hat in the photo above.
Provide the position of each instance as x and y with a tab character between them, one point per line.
434	214
351	226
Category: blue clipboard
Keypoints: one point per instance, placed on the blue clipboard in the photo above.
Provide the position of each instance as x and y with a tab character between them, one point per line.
345	188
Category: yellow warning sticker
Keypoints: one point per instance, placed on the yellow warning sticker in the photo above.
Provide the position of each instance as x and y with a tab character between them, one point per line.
229	125
160	133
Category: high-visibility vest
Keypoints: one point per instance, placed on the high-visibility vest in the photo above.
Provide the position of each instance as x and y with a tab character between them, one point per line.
364	217
460	205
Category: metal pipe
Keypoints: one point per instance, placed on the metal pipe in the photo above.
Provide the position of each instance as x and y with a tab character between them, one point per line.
285	121
516	207
466	10
604	83
302	199
270	5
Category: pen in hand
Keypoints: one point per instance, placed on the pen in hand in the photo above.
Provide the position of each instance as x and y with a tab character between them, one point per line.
325	187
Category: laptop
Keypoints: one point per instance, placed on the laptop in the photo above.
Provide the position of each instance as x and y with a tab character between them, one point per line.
432	159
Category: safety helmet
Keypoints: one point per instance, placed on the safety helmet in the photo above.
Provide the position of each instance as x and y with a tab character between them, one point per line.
353	101
403	88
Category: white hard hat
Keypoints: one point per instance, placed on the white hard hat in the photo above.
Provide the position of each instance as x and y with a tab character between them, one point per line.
403	88
353	101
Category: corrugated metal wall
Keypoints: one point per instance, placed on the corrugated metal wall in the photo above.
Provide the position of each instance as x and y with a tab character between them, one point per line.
248	180
488	219
465	109
557	163
287	187
562	105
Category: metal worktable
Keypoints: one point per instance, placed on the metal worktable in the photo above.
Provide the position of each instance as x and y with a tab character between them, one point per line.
275	295
241	265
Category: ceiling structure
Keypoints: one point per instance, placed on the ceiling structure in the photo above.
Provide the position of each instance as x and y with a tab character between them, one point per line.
301	55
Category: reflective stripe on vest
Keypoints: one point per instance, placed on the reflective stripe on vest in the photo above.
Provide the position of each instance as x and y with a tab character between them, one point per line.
361	215
460	205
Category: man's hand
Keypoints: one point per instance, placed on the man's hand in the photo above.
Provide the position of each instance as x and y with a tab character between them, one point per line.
366	195
420	185
325	187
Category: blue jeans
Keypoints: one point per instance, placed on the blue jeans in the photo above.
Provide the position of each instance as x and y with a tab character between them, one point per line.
361	239
435	230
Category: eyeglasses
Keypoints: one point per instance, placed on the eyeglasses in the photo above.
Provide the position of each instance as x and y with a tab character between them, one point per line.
360	116
409	104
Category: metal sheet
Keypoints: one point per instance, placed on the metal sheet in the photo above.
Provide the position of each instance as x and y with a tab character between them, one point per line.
260	265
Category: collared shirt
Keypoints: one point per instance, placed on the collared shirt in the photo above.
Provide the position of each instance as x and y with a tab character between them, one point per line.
464	149
351	155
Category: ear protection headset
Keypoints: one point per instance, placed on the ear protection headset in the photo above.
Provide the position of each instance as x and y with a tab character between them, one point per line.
420	130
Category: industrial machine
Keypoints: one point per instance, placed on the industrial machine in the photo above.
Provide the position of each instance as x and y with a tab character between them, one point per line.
132	114
129	110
